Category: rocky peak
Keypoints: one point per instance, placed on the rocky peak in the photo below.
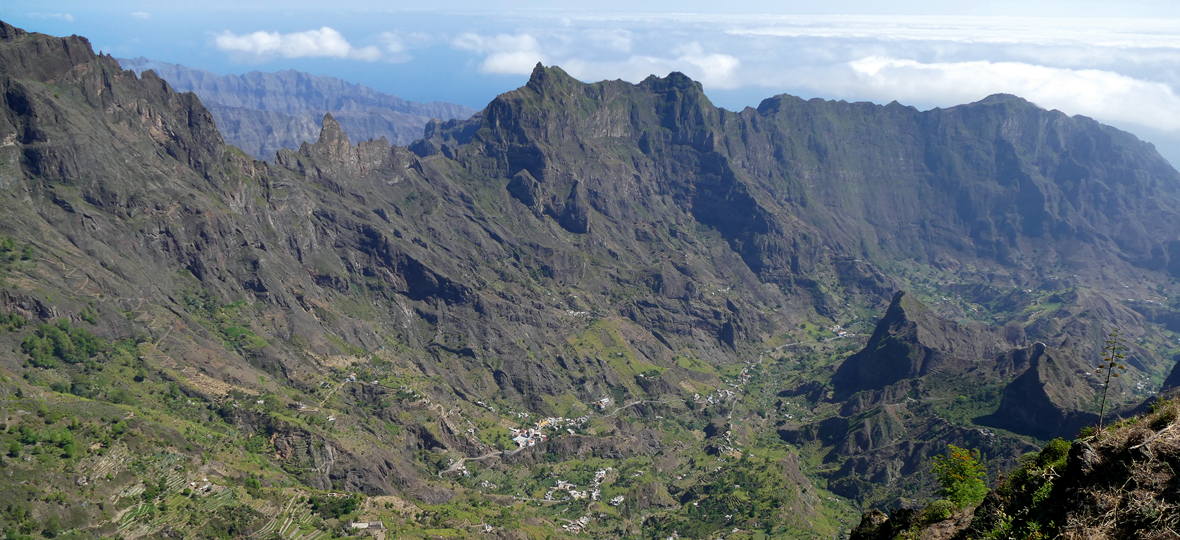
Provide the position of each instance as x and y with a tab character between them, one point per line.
910	341
333	159
545	80
1048	399
674	81
332	139
10	33
40	57
1004	98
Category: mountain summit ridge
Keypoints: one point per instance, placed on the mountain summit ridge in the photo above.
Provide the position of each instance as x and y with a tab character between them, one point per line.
1012	151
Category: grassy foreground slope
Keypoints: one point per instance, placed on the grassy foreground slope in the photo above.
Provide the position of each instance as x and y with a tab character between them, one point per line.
1119	482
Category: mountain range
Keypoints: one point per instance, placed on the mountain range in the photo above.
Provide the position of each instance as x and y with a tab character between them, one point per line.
264	112
764	320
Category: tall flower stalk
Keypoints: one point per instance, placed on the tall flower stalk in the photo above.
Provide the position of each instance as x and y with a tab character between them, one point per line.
1112	356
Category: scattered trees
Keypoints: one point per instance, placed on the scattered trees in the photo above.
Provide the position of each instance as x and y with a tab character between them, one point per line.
60	341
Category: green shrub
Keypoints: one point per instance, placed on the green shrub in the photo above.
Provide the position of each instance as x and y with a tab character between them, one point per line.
255	444
52	527
938	511
334	507
961	475
11	322
28	436
1054	454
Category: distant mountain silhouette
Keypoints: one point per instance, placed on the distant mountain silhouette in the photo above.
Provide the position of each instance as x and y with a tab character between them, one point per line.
263	112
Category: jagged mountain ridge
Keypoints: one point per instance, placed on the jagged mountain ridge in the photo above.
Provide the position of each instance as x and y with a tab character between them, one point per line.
572	241
262	113
953	186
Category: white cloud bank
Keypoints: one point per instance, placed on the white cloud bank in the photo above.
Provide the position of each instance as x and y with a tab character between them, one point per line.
1104	95
325	42
1060	31
517	54
712	70
506	54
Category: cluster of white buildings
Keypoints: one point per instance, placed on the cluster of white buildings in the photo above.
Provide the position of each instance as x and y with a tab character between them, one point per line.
531	436
727	447
841	332
573	493
578	525
715	398
461	469
528	436
366	525
593	493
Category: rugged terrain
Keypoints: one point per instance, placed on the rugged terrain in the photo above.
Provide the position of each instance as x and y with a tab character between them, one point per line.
262	113
695	310
1118	482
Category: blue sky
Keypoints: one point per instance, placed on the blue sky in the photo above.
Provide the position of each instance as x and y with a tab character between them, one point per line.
1118	62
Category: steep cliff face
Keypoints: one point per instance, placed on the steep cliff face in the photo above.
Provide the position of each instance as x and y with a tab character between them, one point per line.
262	113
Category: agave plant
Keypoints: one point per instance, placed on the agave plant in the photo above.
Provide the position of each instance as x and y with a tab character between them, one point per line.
1112	356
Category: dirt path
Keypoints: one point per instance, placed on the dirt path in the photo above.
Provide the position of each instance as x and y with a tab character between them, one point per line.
456	465
333	391
636	402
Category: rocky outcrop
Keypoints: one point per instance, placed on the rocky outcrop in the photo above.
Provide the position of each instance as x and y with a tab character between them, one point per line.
1046	389
913	341
913	358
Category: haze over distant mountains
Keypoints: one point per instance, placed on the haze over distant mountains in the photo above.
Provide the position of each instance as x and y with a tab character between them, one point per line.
264	112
